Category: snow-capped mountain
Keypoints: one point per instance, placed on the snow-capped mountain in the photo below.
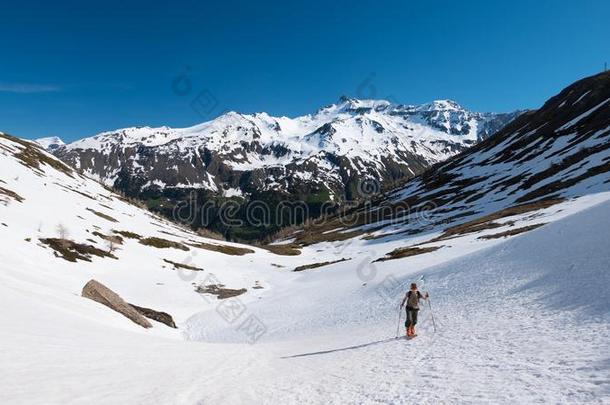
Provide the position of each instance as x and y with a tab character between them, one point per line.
245	153
542	158
50	143
314	158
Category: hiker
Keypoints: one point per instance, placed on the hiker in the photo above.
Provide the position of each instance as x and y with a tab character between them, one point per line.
412	298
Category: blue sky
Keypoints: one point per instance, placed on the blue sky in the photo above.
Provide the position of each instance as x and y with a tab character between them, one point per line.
73	69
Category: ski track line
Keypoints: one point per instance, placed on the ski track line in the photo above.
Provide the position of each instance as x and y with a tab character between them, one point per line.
480	354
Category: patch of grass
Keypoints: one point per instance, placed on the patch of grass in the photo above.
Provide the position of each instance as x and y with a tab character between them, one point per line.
316	265
102	215
330	228
219	291
170	234
70	189
283	250
127	234
110	238
32	156
83	194
558	167
511	232
487	221
227	250
182	266
14	139
407	252
464	214
72	251
11	194
206	233
559	185
466	228
310	238
162	243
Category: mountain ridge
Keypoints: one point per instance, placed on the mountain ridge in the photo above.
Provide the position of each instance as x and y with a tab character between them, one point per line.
559	152
315	158
311	132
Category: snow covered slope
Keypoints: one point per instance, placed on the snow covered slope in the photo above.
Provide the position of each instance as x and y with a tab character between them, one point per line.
518	281
70	229
509	325
525	319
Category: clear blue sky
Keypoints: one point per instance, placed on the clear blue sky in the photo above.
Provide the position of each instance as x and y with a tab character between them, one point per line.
73	69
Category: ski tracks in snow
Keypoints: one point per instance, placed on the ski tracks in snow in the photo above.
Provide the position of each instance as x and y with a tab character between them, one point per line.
512	349
467	361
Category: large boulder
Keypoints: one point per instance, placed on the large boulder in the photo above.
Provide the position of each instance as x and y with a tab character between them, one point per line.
102	294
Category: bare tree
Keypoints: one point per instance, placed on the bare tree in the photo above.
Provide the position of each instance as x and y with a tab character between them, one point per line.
62	231
111	245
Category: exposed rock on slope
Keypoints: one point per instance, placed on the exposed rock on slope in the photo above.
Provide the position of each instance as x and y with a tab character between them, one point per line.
158	316
100	293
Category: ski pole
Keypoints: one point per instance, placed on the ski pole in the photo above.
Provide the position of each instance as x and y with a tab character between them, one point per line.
432	314
398	325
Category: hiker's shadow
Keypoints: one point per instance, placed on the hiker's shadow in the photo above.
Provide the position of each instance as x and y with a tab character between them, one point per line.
342	348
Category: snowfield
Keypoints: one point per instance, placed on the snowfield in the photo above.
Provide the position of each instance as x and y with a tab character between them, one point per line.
524	319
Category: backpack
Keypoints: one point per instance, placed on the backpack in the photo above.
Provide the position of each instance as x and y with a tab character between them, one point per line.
413	300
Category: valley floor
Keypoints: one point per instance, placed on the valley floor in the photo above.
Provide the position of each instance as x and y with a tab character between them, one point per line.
524	320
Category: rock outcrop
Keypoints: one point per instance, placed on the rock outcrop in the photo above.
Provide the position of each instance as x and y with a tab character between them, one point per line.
158	316
98	292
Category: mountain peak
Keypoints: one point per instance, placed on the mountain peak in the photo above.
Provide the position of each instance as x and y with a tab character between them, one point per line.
50	142
344	99
350	104
444	104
